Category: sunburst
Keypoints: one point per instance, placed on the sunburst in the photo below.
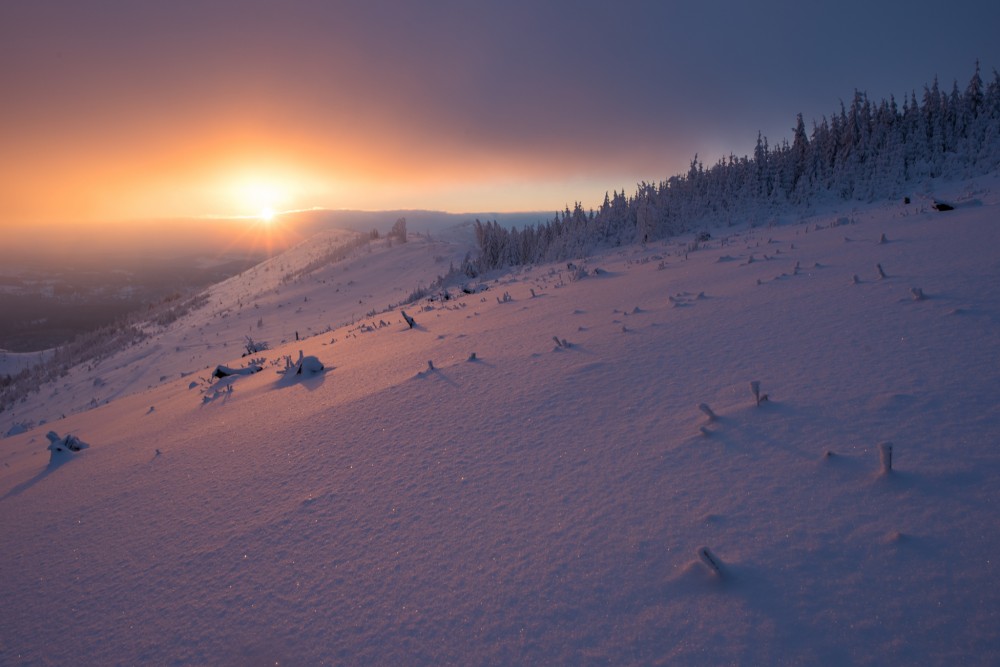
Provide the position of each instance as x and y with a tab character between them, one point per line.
266	215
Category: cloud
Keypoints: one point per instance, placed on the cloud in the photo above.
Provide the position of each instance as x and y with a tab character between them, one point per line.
114	99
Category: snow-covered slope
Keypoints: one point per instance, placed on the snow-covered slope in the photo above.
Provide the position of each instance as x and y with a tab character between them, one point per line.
272	303
547	501
12	363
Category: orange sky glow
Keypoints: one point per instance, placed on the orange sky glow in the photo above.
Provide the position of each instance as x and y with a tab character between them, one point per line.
118	110
103	172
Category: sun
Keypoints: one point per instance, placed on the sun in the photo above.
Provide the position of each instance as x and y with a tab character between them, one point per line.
266	215
260	198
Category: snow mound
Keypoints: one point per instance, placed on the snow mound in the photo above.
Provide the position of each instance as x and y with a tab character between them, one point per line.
304	366
60	447
226	371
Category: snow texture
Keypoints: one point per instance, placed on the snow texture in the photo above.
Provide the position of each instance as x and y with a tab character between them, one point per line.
543	505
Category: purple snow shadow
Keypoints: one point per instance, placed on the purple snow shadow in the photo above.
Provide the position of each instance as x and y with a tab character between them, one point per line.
56	460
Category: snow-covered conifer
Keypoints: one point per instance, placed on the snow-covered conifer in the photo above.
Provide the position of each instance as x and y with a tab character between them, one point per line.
398	230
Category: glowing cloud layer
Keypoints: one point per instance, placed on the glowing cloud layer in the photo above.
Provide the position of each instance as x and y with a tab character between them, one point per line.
125	110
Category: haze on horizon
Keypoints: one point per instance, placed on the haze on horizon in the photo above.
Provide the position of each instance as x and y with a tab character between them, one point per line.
120	111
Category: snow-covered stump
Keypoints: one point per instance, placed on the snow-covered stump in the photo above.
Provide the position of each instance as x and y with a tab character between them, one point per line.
881	272
711	561
885	457
918	294
708	412
308	365
409	320
60	448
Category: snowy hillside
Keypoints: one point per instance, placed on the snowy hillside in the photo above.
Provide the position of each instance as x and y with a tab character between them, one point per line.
550	499
12	363
325	282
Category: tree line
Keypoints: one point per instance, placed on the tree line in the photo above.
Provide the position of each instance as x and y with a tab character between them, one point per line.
865	151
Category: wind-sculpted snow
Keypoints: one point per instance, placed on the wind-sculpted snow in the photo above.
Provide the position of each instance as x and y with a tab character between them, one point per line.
467	491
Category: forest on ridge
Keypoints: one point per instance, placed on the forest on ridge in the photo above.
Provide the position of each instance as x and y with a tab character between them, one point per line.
865	151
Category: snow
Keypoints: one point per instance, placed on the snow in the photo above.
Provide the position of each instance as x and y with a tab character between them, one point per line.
62	447
545	502
12	363
262	303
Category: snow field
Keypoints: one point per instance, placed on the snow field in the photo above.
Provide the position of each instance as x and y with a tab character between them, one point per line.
546	504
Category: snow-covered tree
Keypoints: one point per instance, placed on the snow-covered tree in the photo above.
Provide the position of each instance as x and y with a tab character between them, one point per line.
398	230
865	151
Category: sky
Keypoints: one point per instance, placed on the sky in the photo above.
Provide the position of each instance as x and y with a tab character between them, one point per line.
151	110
